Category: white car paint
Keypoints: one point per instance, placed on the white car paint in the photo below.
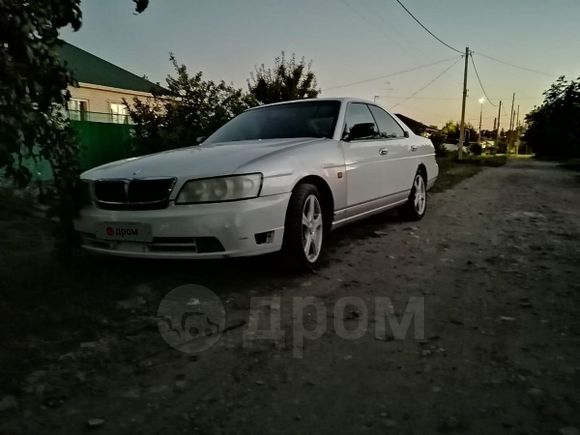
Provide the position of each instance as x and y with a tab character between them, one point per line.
361	180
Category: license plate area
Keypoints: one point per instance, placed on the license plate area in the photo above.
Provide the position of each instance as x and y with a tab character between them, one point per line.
124	232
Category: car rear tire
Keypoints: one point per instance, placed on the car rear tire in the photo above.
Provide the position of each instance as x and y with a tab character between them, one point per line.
416	206
304	228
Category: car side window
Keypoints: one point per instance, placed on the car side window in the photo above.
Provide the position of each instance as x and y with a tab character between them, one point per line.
358	113
388	127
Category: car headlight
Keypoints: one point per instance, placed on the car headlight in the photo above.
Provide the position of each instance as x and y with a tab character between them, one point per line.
220	189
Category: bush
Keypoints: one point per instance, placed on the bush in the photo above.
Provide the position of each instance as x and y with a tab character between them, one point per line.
553	128
438	138
190	107
475	149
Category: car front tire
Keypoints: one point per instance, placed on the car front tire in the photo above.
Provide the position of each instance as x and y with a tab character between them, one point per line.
304	228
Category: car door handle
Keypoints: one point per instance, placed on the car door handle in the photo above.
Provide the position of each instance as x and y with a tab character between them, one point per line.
414	147
383	152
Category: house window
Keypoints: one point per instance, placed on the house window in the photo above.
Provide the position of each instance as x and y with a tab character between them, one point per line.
119	113
77	109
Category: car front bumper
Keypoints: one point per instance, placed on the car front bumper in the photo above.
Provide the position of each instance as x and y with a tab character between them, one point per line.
217	230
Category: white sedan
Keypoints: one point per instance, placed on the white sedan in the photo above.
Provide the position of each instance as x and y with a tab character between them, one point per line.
277	177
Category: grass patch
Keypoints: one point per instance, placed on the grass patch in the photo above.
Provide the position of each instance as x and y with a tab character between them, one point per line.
486	161
453	171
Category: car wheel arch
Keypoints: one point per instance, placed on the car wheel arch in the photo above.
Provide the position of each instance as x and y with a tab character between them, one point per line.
327	196
423	170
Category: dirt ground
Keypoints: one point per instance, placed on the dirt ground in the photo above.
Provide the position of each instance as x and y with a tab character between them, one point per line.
495	263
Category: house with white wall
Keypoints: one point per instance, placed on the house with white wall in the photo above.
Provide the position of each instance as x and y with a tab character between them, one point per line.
102	87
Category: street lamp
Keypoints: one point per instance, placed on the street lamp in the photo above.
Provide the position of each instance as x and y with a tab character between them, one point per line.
481	101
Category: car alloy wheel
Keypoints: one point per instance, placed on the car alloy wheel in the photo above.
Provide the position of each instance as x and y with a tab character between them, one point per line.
416	205
304	229
420	199
312	228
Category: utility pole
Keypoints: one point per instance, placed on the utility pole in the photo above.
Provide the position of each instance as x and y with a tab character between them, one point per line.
498	123
479	130
494	123
480	119
511	133
518	132
462	128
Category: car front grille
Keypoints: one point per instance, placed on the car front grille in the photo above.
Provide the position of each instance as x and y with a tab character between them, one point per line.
133	194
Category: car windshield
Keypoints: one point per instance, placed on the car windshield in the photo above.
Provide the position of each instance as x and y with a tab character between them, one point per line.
308	119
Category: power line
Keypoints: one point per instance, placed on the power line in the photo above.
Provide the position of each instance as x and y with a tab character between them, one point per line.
364	18
427	30
391	74
535	71
428	84
397	97
391	26
480	83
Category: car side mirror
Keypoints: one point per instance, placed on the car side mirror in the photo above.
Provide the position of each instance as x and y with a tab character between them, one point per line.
200	139
362	131
406	133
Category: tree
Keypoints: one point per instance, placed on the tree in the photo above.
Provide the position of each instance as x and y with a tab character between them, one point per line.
33	92
34	80
289	79
451	130
554	127
190	107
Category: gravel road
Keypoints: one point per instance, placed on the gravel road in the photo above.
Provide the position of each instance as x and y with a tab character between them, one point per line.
496	349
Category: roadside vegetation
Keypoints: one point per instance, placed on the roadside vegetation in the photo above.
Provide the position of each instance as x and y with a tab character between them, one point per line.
191	107
453	171
553	128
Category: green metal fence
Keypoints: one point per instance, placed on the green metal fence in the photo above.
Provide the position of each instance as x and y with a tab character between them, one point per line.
100	141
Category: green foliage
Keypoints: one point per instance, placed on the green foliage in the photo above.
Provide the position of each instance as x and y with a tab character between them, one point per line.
490	161
33	92
65	194
190	107
289	79
554	127
140	5
451	131
502	142
475	149
33	78
438	138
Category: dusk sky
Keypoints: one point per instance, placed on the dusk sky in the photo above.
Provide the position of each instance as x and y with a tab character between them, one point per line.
351	41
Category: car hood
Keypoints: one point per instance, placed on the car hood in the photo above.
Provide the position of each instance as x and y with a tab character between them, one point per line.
198	161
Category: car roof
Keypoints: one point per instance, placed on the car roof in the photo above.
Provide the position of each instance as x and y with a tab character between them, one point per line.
339	99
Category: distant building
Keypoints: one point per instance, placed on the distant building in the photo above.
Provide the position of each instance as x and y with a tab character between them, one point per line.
416	126
102	87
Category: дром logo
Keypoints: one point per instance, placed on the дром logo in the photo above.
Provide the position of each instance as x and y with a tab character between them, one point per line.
191	318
